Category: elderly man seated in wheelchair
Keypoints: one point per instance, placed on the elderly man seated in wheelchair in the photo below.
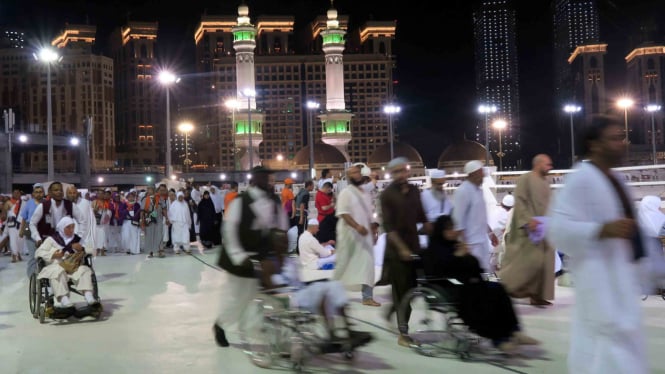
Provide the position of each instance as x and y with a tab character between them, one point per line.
484	306
64	256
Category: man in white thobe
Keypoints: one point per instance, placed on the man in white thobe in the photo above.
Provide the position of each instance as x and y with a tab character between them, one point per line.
470	215
434	199
314	255
355	248
180	224
85	227
592	221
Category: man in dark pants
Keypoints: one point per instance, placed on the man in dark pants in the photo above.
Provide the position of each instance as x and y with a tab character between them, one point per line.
402	211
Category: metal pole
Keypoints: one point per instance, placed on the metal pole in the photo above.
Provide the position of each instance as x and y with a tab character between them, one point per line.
186	153
572	141
168	134
487	140
233	133
500	153
249	120
627	141
390	122
49	125
10	170
653	138
311	144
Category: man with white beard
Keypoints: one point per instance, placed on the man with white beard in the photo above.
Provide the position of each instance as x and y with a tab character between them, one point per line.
434	199
180	223
86	225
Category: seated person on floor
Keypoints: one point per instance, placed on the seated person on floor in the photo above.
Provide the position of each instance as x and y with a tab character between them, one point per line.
314	255
326	298
483	306
58	248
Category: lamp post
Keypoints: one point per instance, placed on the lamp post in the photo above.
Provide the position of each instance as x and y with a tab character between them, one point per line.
500	125
653	108
48	56
166	78
625	103
311	107
486	110
249	94
186	128
571	110
391	109
233	104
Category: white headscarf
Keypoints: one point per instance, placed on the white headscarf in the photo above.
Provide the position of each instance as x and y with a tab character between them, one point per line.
64	222
649	216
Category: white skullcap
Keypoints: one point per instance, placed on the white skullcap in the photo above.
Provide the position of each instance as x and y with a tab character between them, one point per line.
365	170
398	161
508	201
437	174
313	222
179	193
472	166
107	190
37	185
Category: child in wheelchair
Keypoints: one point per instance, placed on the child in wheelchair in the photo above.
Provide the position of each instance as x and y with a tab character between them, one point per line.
483	305
64	256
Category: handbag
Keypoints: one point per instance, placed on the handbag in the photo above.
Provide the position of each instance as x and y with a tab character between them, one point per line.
72	262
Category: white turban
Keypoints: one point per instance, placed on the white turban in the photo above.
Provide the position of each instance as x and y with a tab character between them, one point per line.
472	166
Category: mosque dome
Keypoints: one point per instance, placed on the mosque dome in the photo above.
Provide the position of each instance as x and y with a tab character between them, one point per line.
324	154
458	154
381	154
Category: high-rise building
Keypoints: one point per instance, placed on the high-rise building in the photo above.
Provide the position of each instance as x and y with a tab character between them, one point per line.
575	23
646	71
497	81
11	38
286	77
81	87
587	64
140	112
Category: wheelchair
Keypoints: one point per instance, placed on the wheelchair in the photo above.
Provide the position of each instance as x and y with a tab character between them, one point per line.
273	333
42	303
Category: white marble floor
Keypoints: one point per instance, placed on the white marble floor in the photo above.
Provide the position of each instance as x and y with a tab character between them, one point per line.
158	315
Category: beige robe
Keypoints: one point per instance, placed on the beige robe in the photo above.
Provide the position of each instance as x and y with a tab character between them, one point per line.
527	269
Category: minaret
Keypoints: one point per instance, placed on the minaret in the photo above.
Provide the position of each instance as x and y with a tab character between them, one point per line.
336	120
248	121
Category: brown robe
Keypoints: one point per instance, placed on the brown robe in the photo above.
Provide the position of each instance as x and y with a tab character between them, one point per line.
527	269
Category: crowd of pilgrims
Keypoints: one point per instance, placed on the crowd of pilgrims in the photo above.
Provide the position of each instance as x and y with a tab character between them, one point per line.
114	221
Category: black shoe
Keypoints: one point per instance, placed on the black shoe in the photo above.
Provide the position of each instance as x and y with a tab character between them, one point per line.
220	336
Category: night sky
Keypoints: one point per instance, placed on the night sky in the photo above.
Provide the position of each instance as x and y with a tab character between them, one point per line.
434	48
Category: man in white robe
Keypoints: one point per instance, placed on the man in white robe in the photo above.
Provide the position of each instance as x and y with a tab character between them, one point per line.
354	266
592	221
180	224
434	200
86	226
470	215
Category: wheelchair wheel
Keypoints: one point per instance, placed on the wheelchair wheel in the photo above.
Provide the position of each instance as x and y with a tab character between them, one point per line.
260	331
429	320
42	313
32	294
95	290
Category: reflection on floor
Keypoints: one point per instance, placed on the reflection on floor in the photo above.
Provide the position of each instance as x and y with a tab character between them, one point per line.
158	315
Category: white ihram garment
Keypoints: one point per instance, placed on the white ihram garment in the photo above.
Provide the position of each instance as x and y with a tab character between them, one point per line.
607	333
180	224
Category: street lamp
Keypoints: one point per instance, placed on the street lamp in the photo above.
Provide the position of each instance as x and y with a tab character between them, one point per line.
166	78
311	107
625	103
48	56
571	110
186	128
653	108
249	94
233	104
391	109
500	125
486	110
